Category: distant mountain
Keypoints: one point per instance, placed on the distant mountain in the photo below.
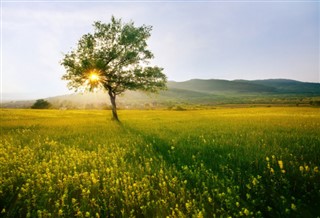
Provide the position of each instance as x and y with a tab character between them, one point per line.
196	91
218	86
269	86
289	86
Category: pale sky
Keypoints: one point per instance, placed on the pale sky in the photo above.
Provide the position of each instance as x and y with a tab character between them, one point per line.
190	39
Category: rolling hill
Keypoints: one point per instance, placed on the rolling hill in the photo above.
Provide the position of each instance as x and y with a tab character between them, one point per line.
290	86
196	91
221	86
269	86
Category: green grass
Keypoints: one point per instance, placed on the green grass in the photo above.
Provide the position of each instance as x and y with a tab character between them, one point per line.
256	162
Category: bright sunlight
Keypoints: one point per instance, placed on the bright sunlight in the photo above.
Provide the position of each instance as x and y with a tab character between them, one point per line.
94	77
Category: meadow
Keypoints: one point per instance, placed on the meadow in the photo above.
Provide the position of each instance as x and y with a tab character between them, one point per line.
226	162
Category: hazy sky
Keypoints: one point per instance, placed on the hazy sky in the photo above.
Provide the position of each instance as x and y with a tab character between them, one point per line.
207	39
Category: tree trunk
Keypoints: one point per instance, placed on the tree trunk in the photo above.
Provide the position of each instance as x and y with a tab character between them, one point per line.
114	106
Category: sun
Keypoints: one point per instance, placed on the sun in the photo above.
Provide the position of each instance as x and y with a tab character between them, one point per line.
94	77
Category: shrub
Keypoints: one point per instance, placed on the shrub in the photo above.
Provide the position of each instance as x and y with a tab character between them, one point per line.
41	104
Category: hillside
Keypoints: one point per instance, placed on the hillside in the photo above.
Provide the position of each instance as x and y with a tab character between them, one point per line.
269	86
196	91
221	86
288	86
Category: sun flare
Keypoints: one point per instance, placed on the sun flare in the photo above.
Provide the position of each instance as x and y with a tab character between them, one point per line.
94	77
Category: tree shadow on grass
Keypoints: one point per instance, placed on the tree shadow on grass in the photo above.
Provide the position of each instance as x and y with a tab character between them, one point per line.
222	160
159	146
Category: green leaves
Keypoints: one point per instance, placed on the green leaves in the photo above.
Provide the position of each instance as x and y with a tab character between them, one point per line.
149	79
117	50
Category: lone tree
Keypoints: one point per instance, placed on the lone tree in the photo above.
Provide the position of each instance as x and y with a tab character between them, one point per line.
115	58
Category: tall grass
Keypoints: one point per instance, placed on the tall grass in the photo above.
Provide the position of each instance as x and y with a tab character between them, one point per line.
261	162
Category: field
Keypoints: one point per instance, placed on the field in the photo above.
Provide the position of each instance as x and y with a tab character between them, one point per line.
255	162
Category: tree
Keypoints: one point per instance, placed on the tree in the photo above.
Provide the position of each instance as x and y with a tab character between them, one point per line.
115	58
41	104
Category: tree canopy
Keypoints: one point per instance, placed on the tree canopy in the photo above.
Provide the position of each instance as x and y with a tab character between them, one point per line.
116	58
41	104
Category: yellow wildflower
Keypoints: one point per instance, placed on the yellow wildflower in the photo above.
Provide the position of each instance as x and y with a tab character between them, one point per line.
255	181
246	212
280	164
188	206
301	168
200	215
